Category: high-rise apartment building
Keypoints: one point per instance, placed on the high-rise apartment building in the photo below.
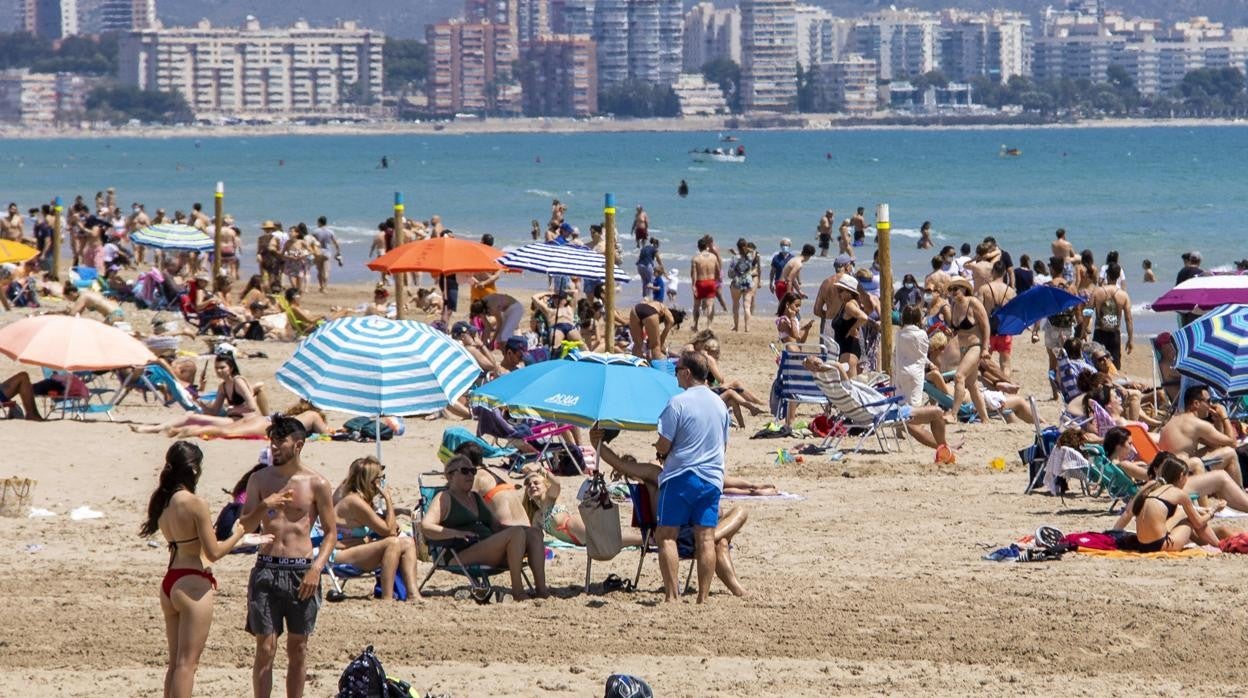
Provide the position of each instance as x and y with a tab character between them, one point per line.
768	55
816	38
50	19
253	72
470	68
572	17
903	42
638	40
559	76
848	83
994	44
532	21
711	33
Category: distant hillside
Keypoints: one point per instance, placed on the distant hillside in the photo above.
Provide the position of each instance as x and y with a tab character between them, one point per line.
408	19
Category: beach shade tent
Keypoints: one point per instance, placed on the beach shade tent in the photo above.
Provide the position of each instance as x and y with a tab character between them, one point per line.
611	391
1204	292
567	260
71	343
374	366
1032	306
444	255
1213	349
12	252
173	236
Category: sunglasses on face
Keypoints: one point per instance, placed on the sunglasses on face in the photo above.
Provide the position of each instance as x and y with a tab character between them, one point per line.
462	471
1099	359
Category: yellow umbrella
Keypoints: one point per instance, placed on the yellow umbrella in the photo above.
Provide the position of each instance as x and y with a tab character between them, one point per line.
15	252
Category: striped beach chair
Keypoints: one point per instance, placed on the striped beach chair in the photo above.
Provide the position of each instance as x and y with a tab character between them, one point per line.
794	383
864	410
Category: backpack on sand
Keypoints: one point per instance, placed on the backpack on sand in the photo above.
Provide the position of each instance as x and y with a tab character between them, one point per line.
363	678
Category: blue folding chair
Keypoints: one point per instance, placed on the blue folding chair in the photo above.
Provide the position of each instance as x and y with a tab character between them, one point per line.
646	521
83	395
794	382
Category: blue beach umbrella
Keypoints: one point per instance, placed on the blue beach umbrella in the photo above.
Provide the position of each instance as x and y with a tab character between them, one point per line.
174	236
566	260
1213	349
373	366
614	394
1033	305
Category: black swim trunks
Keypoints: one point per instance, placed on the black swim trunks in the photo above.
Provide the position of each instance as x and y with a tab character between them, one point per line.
273	603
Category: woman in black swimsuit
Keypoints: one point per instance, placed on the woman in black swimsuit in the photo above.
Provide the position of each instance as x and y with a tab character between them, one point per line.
970	322
234	390
1155	506
847	323
649	324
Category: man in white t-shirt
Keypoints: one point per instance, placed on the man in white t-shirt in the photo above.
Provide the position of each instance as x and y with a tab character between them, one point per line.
693	435
325	238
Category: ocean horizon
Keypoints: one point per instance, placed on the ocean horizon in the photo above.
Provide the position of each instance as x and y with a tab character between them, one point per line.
1148	192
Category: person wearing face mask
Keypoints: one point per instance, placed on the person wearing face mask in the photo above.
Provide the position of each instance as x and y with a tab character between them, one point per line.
908	294
778	261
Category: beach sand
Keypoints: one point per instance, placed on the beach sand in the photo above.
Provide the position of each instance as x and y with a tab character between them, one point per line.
870	585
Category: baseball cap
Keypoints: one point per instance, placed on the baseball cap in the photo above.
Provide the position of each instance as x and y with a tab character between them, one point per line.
462	327
842	259
517	343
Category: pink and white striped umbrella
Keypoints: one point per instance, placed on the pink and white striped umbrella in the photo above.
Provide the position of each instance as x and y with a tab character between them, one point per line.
1205	293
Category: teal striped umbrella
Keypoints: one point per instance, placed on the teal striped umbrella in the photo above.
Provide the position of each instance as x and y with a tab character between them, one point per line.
1213	349
173	236
373	366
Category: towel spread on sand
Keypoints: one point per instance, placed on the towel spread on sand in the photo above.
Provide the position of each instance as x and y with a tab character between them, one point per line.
1188	552
1229	513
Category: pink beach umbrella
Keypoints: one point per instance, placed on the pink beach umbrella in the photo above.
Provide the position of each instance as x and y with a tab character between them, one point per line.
71	344
1205	293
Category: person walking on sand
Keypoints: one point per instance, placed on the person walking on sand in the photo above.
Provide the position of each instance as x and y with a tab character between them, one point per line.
188	590
1112	309
284	591
778	260
791	276
704	270
641	226
693	436
324	236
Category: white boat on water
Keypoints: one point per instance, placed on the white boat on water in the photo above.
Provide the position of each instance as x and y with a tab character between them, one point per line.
719	154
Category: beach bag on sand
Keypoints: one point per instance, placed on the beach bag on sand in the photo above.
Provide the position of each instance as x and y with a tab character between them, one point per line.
363	678
15	497
602	521
365	429
626	686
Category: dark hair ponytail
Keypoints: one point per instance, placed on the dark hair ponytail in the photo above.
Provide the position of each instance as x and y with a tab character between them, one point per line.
181	472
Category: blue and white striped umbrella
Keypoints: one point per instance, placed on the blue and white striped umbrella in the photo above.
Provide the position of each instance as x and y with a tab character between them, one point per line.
173	236
568	260
1213	349
374	366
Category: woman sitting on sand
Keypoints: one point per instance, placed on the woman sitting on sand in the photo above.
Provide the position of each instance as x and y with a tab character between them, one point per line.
458	516
734	394
1215	483
1108	399
541	503
1155	509
365	538
730	520
188	590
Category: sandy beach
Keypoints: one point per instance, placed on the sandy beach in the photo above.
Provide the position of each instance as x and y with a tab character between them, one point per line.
459	127
870	584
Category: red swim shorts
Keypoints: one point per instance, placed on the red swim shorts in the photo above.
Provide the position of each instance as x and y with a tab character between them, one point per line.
782	288
1001	343
704	288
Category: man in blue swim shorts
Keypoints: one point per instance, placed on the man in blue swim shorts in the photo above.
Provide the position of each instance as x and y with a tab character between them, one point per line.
693	433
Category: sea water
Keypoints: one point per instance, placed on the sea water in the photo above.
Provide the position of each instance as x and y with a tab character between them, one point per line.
1148	192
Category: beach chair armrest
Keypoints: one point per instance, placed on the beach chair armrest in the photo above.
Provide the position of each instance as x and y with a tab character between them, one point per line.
895	400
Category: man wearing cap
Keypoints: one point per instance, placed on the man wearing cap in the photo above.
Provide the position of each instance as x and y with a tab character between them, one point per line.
516	353
827	300
649	265
268	254
778	260
466	334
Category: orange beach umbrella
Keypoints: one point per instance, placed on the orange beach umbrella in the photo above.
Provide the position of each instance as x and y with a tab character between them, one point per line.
442	255
12	252
71	344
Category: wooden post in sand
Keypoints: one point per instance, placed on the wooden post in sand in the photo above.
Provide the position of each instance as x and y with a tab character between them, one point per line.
219	221
882	229
57	212
608	295
397	240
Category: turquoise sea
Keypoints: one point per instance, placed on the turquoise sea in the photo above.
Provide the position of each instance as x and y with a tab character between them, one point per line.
1149	192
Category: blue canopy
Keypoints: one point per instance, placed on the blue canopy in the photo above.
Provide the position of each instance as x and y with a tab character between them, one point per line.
1032	306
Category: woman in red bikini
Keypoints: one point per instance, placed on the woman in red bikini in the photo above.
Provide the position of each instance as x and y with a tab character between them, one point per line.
187	591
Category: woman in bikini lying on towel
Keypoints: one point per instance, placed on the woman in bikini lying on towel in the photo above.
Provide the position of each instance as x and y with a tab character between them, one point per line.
188	589
1160	526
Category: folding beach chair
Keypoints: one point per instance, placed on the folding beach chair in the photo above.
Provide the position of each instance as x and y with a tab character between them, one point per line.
966	411
1108	478
1037	454
214	320
82	393
864	410
340	573
646	521
155	378
444	554
546	438
794	383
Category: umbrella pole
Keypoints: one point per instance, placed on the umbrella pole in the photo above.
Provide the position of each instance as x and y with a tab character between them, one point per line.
882	231
377	433
1156	383
55	273
216	238
608	293
398	238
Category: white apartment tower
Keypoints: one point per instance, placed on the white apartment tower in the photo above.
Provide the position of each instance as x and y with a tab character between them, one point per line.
903	42
996	45
50	19
710	34
257	73
638	40
816	38
768	55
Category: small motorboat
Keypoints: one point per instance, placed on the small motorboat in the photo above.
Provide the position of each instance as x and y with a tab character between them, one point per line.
1007	152
719	154
728	139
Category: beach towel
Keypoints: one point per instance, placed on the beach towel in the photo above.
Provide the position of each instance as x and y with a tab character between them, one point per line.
1237	543
1123	554
454	437
1091	540
1064	462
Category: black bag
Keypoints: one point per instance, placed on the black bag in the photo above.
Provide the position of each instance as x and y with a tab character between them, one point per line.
225	520
363	678
994	324
365	429
567	465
